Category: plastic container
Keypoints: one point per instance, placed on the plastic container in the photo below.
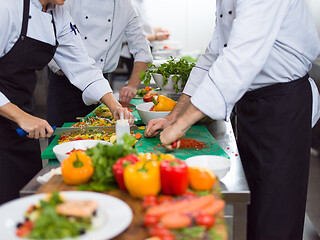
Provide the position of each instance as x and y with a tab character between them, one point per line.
122	127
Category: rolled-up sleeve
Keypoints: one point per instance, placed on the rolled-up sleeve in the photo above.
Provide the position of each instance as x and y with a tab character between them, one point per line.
137	40
73	59
253	33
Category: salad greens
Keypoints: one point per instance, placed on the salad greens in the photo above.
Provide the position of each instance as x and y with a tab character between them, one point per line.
179	69
51	225
103	158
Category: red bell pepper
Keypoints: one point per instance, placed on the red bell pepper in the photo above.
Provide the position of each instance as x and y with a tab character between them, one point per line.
149	95
174	177
120	165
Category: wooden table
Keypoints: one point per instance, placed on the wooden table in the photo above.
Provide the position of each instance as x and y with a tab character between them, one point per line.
135	231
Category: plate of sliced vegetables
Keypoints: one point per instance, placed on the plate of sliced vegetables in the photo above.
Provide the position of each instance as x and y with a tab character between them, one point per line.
64	215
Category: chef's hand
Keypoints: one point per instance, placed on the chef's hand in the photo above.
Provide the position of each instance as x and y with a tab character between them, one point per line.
161	36
126	114
155	125
35	127
171	134
127	93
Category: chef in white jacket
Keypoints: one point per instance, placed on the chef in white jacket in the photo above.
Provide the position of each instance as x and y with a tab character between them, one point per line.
32	32
102	25
258	59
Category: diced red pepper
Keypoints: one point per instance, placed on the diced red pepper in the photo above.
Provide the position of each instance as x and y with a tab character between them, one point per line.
120	165
174	177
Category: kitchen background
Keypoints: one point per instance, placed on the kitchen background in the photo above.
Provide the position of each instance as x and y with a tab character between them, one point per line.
191	23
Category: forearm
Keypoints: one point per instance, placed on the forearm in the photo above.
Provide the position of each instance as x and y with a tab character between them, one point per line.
134	80
110	101
180	107
12	112
188	117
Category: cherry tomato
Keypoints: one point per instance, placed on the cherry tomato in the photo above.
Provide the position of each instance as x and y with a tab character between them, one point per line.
24	229
205	220
149	201
150	198
147	204
161	232
174	145
150	220
164	198
189	194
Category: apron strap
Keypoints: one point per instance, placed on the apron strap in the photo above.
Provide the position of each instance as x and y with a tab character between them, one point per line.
55	29
26	7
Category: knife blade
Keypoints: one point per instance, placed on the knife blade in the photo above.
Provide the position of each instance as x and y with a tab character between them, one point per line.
80	130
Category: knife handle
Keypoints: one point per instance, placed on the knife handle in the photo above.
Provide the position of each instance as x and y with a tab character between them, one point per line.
22	132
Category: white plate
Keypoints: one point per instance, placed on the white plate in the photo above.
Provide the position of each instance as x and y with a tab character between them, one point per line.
113	215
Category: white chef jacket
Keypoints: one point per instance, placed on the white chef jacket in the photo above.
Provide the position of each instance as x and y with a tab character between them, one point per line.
103	24
255	44
71	54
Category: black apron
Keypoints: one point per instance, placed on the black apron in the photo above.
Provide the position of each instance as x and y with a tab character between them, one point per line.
64	101
274	135
20	157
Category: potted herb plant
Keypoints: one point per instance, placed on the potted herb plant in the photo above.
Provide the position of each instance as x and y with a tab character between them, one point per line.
170	76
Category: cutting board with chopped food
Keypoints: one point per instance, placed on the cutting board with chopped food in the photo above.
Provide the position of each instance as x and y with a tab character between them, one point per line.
199	133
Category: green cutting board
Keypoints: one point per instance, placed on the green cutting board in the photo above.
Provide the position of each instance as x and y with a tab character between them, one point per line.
199	133
48	152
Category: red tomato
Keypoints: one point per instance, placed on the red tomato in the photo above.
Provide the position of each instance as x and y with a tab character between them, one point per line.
164	198
161	232
24	229
205	220
149	201
147	204
150	220
150	198
174	145
189	194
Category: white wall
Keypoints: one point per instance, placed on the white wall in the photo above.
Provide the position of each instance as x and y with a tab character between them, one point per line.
190	22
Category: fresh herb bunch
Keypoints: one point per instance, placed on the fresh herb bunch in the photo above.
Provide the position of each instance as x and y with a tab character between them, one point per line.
179	69
103	158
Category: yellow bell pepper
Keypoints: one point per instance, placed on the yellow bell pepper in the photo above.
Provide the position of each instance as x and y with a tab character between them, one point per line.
142	179
200	178
163	103
77	168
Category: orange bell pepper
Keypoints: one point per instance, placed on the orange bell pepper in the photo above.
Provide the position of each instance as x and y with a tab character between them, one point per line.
163	103
77	168
201	179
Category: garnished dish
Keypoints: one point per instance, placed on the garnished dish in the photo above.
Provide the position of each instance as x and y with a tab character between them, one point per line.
91	216
55	217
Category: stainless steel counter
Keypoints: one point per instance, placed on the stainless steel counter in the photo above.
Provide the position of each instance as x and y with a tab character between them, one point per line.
234	185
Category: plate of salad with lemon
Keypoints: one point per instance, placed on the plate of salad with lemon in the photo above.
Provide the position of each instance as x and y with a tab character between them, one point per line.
64	215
